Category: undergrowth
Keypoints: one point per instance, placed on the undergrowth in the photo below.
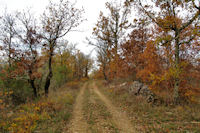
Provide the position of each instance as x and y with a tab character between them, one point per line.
44	114
150	118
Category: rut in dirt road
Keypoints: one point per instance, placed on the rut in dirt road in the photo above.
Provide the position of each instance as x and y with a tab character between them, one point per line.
78	124
119	117
98	118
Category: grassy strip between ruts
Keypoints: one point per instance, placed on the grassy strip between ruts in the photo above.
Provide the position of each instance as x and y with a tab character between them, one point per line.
148	118
44	115
96	114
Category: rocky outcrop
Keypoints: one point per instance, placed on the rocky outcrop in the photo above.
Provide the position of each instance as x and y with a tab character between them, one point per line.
138	88
135	87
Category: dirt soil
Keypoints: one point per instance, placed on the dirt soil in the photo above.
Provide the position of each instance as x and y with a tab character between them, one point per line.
95	113
78	125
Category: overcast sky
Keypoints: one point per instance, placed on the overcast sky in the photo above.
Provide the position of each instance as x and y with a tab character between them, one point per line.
92	9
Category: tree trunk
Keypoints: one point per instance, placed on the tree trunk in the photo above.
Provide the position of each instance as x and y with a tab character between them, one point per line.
177	80
86	72
50	74
9	51
32	82
47	84
104	72
33	86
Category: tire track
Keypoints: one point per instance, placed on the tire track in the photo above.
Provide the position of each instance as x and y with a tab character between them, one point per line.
97	115
119	117
78	124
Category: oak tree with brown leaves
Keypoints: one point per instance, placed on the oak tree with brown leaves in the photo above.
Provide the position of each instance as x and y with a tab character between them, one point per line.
170	19
109	32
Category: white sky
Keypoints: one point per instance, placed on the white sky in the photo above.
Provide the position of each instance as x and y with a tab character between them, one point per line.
92	9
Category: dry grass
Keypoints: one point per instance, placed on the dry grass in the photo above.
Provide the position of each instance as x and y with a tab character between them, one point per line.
43	115
150	118
96	114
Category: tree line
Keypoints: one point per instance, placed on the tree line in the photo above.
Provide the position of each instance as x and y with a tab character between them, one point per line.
161	49
35	53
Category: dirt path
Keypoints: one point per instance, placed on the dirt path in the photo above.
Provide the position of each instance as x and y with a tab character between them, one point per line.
78	124
98	118
119	117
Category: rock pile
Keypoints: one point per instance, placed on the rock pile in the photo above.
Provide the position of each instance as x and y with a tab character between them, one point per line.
138	88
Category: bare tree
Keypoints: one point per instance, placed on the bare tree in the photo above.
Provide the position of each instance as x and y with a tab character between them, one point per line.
7	34
30	38
104	58
57	21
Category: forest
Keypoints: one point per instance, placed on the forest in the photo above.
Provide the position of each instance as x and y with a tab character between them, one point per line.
156	43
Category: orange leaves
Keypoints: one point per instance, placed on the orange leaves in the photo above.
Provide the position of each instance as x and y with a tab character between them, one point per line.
108	32
165	57
36	75
151	62
133	48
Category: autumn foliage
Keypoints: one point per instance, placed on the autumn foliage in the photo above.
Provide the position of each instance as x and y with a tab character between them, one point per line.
162	49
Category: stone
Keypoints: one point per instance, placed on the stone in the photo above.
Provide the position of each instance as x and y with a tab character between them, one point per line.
144	91
138	88
135	87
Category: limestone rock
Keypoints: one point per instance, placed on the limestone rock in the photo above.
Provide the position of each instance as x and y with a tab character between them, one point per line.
135	87
138	88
